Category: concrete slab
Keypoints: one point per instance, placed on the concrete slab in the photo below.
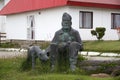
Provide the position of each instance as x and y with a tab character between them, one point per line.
84	53
109	54
93	53
101	58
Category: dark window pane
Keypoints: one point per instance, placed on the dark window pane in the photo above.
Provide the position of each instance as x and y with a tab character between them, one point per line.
115	20
86	19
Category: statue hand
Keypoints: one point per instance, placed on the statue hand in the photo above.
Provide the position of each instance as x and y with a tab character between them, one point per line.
62	44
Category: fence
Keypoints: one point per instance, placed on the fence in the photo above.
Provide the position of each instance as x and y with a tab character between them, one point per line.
2	35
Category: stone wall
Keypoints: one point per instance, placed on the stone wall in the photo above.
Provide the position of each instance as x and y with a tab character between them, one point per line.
26	43
97	66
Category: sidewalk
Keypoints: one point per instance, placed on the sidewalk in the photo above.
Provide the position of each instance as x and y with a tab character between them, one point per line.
11	54
102	58
15	52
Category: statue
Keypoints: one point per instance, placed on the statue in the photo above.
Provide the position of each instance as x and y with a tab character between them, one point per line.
64	46
67	42
35	52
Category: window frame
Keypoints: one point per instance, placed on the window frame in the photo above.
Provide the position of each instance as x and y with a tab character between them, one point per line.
113	20
83	22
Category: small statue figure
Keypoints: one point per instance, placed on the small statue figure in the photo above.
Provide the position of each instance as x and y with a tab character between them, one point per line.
35	52
66	41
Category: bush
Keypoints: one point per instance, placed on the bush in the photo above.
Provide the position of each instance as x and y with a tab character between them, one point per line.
99	32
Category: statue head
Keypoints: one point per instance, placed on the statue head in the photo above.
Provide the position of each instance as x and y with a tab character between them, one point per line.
66	22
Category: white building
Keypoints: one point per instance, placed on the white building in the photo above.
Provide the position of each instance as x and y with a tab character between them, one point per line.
39	19
3	18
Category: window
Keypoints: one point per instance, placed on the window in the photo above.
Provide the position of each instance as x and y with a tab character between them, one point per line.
86	19
115	20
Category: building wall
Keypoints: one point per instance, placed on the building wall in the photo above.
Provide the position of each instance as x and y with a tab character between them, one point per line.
16	26
3	18
101	18
48	21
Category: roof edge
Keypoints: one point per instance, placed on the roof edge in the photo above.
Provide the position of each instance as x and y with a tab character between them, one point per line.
14	6
29	10
90	4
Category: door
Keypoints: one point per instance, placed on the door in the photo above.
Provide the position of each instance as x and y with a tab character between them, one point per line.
31	27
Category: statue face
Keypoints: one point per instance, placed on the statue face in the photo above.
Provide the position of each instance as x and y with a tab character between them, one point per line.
66	25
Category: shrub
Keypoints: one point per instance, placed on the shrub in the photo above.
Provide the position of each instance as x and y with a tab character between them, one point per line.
99	32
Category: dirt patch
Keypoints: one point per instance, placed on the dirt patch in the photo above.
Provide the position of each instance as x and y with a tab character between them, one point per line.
100	75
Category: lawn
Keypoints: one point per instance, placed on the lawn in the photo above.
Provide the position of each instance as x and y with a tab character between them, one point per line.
102	46
10	69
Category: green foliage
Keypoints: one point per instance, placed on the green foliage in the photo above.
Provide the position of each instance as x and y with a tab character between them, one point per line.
99	32
93	32
81	58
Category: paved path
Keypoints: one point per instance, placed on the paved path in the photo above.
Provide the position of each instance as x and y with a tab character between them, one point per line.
11	54
5	54
102	58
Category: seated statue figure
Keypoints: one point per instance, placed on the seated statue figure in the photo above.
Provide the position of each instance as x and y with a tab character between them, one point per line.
66	40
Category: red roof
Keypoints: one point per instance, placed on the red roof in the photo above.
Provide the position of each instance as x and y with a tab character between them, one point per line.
19	6
114	2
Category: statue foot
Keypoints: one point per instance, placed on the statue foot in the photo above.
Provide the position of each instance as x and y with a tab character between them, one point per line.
52	68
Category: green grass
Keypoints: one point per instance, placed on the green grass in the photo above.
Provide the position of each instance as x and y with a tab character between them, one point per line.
99	46
102	46
9	45
10	69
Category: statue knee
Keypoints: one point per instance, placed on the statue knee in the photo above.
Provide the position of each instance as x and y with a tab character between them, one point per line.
77	46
